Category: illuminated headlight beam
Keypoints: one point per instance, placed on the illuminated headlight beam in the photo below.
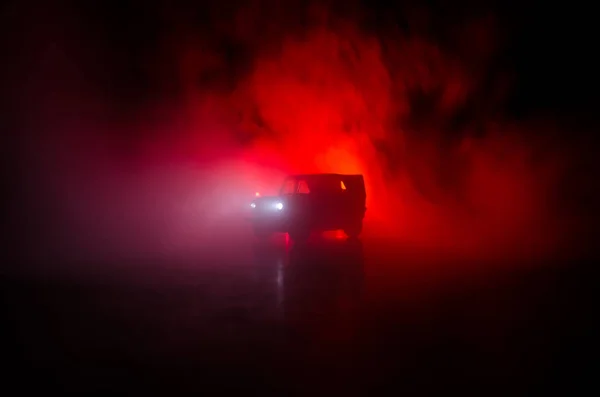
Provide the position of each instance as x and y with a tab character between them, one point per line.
253	205
279	206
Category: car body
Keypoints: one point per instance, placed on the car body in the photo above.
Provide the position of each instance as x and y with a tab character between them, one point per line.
312	202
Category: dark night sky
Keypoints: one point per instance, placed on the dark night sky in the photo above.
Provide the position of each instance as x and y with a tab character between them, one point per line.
549	47
546	49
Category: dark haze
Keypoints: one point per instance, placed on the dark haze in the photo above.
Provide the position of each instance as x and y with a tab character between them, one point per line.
148	128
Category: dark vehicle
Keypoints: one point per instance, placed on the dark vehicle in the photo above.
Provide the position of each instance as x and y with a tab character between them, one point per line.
312	202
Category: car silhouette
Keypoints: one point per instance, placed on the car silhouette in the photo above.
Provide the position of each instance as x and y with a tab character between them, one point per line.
312	202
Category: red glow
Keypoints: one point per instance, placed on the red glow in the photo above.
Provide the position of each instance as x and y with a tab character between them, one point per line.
330	98
337	99
327	97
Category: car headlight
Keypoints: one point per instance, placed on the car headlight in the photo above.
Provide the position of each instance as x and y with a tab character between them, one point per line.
253	205
279	206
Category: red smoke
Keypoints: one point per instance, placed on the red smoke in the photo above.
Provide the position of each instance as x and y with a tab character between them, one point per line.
334	100
329	95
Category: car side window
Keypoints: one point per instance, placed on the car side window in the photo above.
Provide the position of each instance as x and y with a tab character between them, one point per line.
303	187
289	187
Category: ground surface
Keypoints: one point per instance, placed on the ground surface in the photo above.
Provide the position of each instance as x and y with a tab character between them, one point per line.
348	318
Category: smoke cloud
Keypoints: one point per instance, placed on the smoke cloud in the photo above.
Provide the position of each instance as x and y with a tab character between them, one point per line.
153	141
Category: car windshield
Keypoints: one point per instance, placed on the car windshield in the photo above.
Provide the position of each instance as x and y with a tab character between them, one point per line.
327	185
317	185
288	187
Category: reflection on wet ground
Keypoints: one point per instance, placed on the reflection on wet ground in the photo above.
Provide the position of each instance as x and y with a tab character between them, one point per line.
333	316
